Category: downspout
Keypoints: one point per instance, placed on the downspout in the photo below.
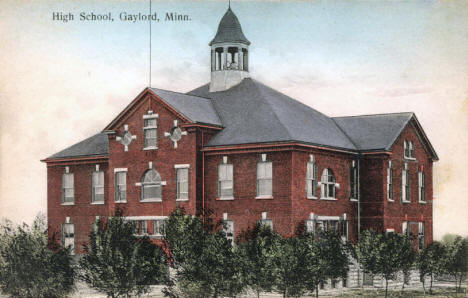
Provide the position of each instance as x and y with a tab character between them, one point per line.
203	178
359	194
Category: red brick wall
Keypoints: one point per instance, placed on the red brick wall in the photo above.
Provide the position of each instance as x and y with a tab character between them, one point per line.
82	213
372	191
245	210
396	212
164	158
340	164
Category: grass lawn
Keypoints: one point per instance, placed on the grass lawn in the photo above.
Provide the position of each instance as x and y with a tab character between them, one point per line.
444	292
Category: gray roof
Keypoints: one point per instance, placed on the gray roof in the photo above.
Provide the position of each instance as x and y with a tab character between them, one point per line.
95	145
374	132
229	30
196	109
254	113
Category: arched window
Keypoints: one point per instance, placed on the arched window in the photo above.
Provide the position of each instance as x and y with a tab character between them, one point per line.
151	186
328	184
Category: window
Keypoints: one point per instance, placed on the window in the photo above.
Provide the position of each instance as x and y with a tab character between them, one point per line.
328	184
409	149
311	180
68	190
333	226
404	229
143	227
150	131
344	230
390	181
159	227
422	187
405	185
151	189
310	226
182	183
68	236
228	228
264	179
353	181
121	186
225	181
421	238
266	222
97	182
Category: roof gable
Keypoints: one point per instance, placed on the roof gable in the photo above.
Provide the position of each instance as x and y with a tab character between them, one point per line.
191	109
380	131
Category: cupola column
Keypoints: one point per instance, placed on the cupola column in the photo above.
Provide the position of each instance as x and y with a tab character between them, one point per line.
213	60
240	60
225	53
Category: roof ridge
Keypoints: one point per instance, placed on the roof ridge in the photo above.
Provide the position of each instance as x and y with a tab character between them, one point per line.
181	93
310	108
370	115
269	105
346	135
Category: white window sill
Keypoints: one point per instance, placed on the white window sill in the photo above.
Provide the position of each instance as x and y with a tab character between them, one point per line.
156	236
150	148
68	203
150	200
312	198
264	198
422	202
97	203
410	158
353	199
225	199
406	202
329	199
182	200
390	200
120	202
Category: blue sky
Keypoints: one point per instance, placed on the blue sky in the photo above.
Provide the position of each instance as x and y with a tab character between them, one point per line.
62	82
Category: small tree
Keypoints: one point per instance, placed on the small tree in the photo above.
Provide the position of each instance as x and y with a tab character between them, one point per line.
431	261
383	253
292	272
327	258
118	263
457	260
259	249
204	260
28	268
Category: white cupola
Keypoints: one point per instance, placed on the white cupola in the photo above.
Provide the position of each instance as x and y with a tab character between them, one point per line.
229	54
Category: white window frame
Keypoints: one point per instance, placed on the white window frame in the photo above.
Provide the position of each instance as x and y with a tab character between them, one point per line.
228	228
353	181
142	227
68	200
158	183
390	185
422	187
95	187
311	179
421	235
65	237
266	222
150	116
224	166
182	196
405	228
408	150
119	188
159	224
264	174
325	185
405	185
